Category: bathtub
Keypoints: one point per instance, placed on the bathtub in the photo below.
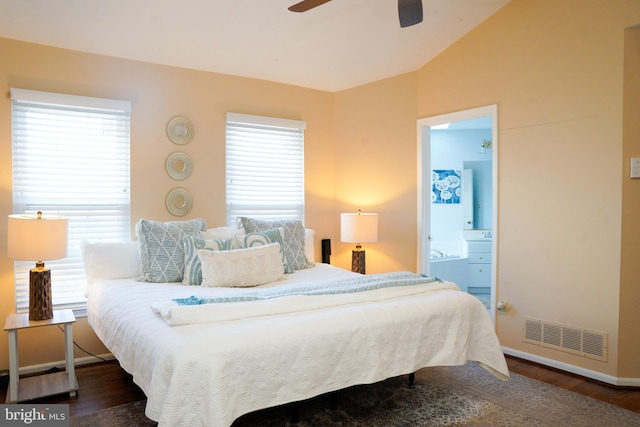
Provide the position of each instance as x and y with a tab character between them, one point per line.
444	258
451	268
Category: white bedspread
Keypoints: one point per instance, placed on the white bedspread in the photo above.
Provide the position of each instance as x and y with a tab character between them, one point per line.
208	374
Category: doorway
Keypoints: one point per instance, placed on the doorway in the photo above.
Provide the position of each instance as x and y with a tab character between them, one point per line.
457	199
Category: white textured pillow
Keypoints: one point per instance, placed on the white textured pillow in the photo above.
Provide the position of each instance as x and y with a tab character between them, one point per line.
110	260
264	238
242	267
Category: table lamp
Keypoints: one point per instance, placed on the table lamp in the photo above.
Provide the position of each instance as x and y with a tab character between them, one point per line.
358	228
38	237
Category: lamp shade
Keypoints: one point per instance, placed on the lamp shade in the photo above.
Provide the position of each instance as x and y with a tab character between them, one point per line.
37	237
359	227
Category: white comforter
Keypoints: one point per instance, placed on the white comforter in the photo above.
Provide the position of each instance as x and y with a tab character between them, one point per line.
208	374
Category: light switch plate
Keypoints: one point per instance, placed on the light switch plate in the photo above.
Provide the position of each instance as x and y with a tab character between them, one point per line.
635	167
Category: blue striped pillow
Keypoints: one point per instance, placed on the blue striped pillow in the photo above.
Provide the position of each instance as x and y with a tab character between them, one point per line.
293	237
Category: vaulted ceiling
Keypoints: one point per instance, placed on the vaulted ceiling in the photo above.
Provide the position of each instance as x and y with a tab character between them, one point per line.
338	45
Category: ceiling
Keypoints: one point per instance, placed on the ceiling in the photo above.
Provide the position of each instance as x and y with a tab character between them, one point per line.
341	44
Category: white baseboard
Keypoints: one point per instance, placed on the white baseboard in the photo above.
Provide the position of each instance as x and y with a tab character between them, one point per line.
60	364
616	381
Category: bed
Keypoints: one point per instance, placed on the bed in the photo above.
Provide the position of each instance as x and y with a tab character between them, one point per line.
208	363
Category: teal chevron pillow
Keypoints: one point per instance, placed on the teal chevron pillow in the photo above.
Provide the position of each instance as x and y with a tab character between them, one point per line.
293	238
250	240
162	250
192	266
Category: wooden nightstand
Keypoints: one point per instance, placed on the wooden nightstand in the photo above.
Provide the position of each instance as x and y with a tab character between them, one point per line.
46	384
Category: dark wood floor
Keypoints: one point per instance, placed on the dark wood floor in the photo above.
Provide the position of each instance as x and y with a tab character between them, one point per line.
105	385
624	397
102	385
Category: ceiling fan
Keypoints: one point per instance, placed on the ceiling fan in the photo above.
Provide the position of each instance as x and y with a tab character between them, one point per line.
409	11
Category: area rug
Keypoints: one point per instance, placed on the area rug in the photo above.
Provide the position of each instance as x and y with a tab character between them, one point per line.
444	396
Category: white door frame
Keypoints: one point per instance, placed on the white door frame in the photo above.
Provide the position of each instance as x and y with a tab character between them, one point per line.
424	199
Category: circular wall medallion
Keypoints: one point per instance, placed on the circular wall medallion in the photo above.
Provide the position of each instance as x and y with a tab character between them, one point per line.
179	201
178	165
180	130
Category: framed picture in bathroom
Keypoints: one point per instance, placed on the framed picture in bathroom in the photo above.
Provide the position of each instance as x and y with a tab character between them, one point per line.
446	186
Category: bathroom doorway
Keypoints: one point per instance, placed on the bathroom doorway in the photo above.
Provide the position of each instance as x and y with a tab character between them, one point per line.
457	199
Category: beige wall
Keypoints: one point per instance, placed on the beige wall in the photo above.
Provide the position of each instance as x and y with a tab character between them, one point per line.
375	162
555	69
629	354
567	210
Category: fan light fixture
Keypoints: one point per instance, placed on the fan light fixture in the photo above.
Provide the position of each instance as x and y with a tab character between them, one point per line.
409	11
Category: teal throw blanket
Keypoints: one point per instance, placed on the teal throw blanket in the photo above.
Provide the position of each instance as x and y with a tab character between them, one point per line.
358	284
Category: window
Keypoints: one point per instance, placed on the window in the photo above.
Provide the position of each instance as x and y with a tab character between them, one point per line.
265	167
70	157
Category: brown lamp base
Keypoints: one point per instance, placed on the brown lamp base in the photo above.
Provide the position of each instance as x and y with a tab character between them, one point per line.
358	261
40	301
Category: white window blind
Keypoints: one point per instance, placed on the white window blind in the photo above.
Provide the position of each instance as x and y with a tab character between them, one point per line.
265	167
71	158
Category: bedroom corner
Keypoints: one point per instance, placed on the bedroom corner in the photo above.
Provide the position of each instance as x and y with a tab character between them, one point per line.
157	93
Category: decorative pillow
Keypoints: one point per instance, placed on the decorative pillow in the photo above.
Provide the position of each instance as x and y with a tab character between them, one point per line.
221	232
192	268
110	260
309	244
293	238
250	240
162	249
241	267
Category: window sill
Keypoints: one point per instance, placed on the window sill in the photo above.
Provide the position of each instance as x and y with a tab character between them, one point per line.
80	312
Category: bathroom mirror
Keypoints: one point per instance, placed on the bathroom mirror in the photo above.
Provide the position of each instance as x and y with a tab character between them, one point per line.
180	130
477	199
178	165
179	201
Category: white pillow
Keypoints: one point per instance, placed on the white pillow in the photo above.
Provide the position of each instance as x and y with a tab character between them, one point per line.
309	244
110	260
249	240
241	267
221	233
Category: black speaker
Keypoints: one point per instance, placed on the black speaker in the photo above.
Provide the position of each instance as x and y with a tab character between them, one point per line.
326	251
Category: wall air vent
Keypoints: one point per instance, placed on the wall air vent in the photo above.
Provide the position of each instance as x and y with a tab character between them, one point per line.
591	344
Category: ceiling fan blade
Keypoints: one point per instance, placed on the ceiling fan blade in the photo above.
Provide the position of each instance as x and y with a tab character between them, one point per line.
410	12
305	5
